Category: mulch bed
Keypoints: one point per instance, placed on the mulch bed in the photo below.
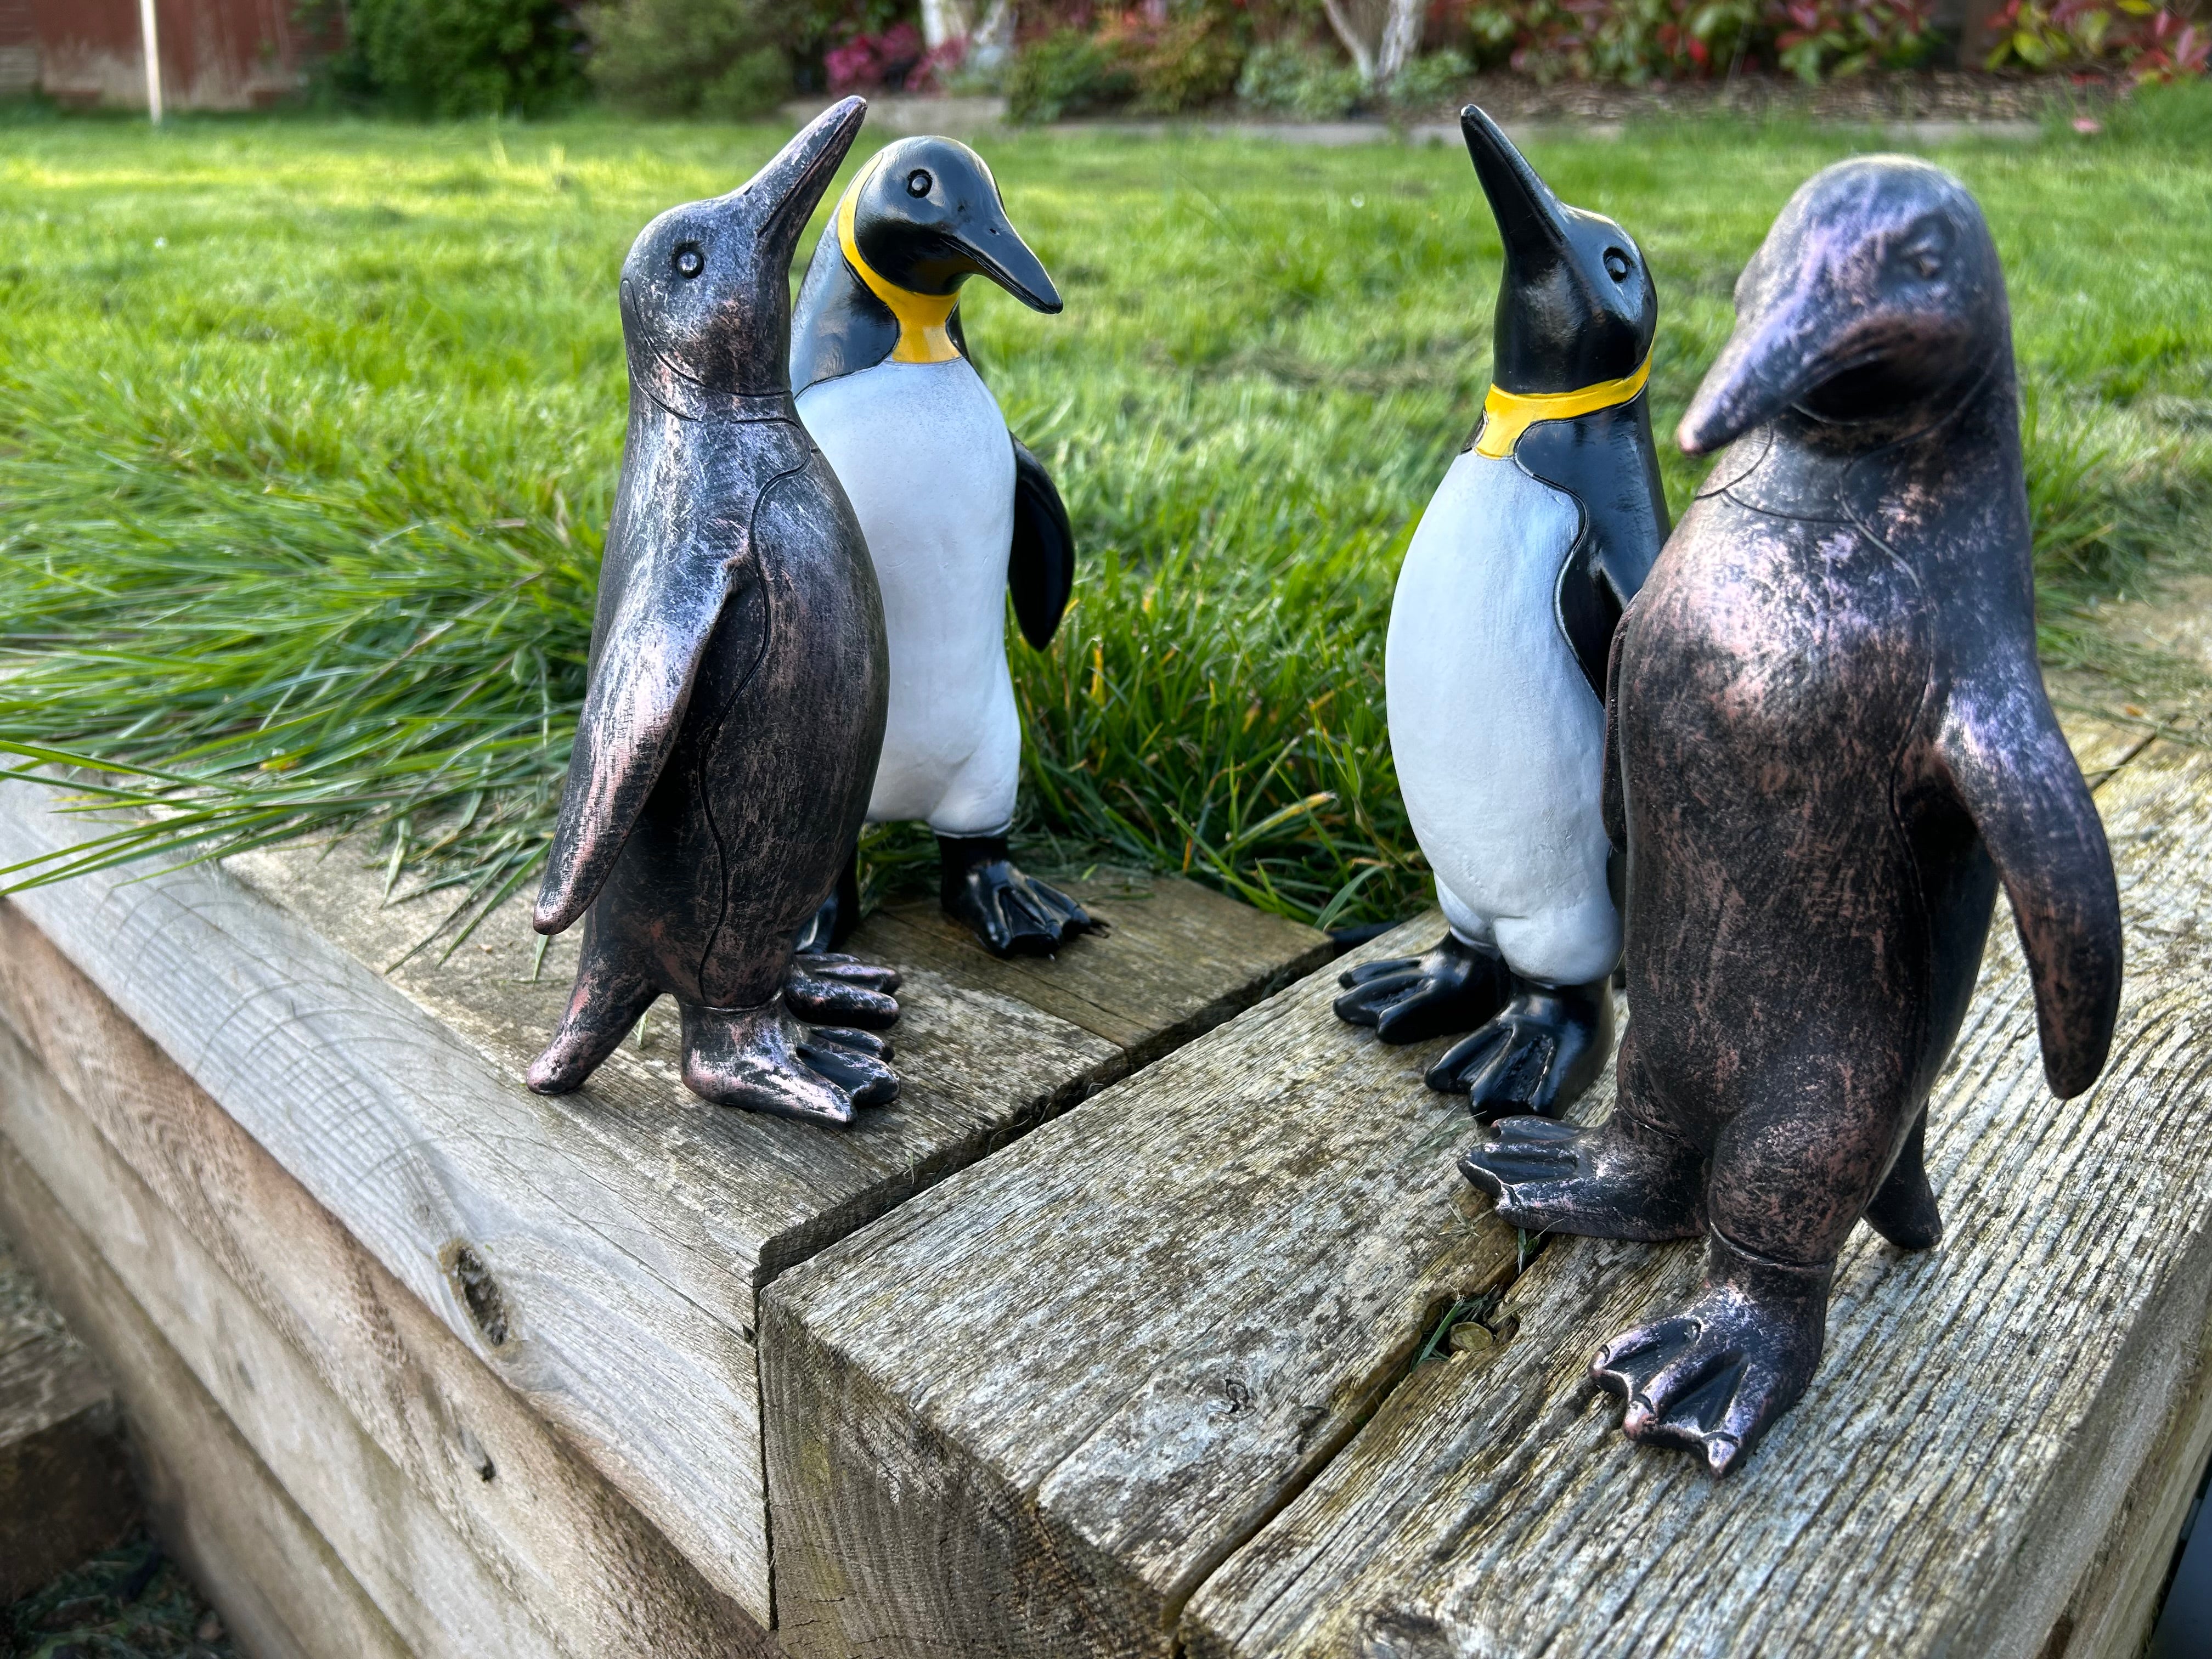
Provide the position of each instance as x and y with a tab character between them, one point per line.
129	1602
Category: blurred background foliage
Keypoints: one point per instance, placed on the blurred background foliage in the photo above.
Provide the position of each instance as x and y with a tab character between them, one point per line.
734	59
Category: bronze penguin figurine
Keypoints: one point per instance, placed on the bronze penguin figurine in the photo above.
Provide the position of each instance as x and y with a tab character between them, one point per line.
737	685
1828	742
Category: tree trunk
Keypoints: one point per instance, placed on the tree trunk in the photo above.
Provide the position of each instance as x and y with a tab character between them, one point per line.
943	21
1355	42
1401	38
1381	35
993	41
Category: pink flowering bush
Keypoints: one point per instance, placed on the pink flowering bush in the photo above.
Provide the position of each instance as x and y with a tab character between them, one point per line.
867	61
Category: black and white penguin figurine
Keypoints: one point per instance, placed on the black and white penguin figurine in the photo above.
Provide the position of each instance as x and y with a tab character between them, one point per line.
1829	744
738	683
1540	535
954	509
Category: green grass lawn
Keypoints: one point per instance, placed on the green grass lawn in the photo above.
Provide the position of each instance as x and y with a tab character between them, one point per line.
309	433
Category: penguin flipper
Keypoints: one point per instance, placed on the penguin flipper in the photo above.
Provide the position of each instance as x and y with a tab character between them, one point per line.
1589	608
670	600
1605	461
1041	566
2017	778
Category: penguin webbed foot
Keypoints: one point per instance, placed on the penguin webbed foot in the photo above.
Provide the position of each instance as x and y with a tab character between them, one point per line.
823	988
1454	986
1618	1180
859	1062
1714	1376
1011	914
765	1061
1538	1056
603	1010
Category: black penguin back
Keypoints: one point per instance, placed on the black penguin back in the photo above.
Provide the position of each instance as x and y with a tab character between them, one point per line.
840	327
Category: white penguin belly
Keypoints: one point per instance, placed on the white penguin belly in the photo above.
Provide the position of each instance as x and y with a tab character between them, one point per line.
924	455
1496	736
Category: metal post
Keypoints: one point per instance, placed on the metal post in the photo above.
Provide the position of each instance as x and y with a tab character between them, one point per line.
150	35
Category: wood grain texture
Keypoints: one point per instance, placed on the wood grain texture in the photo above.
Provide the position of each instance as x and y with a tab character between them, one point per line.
1141	1382
64	1492
2117	1599
281	1590
549	1531
437	1595
1029	1410
626	1230
1970	1443
1179	961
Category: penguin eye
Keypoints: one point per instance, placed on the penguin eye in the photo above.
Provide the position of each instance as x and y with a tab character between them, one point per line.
690	262
1617	266
1923	252
919	183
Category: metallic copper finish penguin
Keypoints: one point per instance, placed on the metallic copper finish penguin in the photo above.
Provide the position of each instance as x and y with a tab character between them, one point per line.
738	683
1829	744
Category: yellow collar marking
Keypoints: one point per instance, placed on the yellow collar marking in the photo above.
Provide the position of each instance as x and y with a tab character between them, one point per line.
921	317
1507	415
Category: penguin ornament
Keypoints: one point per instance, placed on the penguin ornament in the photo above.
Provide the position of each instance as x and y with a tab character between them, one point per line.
1538	537
1829	744
955	511
737	684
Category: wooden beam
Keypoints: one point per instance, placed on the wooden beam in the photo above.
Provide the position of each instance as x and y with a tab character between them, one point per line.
435	1593
1184	961
90	1093
602	1254
280	1589
1143	1384
1028	1411
1982	1416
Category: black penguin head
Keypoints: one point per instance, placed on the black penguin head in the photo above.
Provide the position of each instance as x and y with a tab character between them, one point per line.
706	295
926	216
1576	306
1877	295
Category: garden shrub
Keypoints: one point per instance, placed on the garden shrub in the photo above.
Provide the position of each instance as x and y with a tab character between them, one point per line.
1845	37
1630	40
2150	42
445	58
886	58
1437	77
1066	73
1286	77
1183	63
1636	40
714	57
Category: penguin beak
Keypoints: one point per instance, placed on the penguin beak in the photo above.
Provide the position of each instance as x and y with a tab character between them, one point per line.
1769	362
1001	255
1529	220
784	193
